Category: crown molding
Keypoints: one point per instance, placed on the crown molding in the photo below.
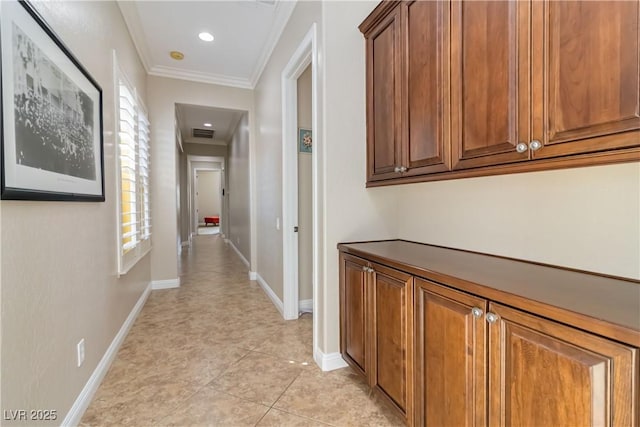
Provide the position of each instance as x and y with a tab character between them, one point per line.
197	76
129	13
284	10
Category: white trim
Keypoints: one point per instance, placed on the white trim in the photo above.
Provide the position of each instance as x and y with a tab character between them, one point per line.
306	54
272	295
330	361
253	275
84	398
165	284
193	228
305	305
242	258
282	15
132	20
200	77
284	10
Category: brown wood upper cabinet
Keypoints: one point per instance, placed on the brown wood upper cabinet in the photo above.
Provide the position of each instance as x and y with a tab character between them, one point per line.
406	93
470	88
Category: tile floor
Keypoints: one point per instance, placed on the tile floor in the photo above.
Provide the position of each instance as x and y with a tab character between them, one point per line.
217	352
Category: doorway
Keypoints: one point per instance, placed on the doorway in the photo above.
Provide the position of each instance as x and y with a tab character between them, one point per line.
305	57
208	201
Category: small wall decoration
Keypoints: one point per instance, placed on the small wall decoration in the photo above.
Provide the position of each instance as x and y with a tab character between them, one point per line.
305	140
51	110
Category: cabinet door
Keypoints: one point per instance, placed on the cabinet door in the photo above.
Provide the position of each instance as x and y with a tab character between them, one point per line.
353	312
490	70
384	61
544	373
426	87
450	357
392	350
586	76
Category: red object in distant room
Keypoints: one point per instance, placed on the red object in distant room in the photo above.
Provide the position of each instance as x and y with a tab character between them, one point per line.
215	220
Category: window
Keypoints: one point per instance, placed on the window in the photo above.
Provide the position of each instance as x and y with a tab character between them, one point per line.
134	208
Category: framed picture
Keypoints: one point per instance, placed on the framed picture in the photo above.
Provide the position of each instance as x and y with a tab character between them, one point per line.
305	140
51	112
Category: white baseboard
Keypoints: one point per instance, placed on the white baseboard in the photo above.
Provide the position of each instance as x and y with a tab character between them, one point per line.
84	398
306	305
240	255
330	361
165	284
272	296
253	275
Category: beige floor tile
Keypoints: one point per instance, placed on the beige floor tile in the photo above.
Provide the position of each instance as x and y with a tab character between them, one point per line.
217	352
258	377
209	407
276	418
339	398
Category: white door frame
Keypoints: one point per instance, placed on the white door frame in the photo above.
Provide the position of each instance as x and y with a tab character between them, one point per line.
306	54
193	226
195	190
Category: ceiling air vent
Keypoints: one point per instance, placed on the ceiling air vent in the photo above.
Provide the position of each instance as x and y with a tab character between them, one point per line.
202	133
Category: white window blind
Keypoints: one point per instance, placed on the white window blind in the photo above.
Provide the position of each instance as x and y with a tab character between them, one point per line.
134	166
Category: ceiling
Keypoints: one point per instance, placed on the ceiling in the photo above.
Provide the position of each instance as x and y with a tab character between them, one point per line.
245	31
223	121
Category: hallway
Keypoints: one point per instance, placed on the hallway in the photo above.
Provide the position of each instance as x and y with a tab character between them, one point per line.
216	352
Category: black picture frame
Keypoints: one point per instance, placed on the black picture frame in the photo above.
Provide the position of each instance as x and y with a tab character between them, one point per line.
52	144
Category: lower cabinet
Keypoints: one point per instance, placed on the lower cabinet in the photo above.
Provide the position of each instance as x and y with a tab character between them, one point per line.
543	373
353	313
392	337
377	329
451	357
443	357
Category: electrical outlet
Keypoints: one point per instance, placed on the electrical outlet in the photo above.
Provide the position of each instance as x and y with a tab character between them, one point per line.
278	223
80	348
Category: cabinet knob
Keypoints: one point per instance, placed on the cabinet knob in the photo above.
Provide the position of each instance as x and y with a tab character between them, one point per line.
403	169
521	147
535	145
396	169
370	270
492	317
476	311
364	268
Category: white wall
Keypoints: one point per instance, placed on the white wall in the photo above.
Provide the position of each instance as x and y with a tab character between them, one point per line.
238	190
350	212
353	213
209	193
59	259
269	147
305	217
164	93
195	150
585	218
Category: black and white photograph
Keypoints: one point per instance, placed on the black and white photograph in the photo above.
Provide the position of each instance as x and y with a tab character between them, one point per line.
52	121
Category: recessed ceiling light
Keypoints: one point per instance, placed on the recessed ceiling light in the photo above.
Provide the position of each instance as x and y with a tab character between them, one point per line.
207	125
206	37
178	56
